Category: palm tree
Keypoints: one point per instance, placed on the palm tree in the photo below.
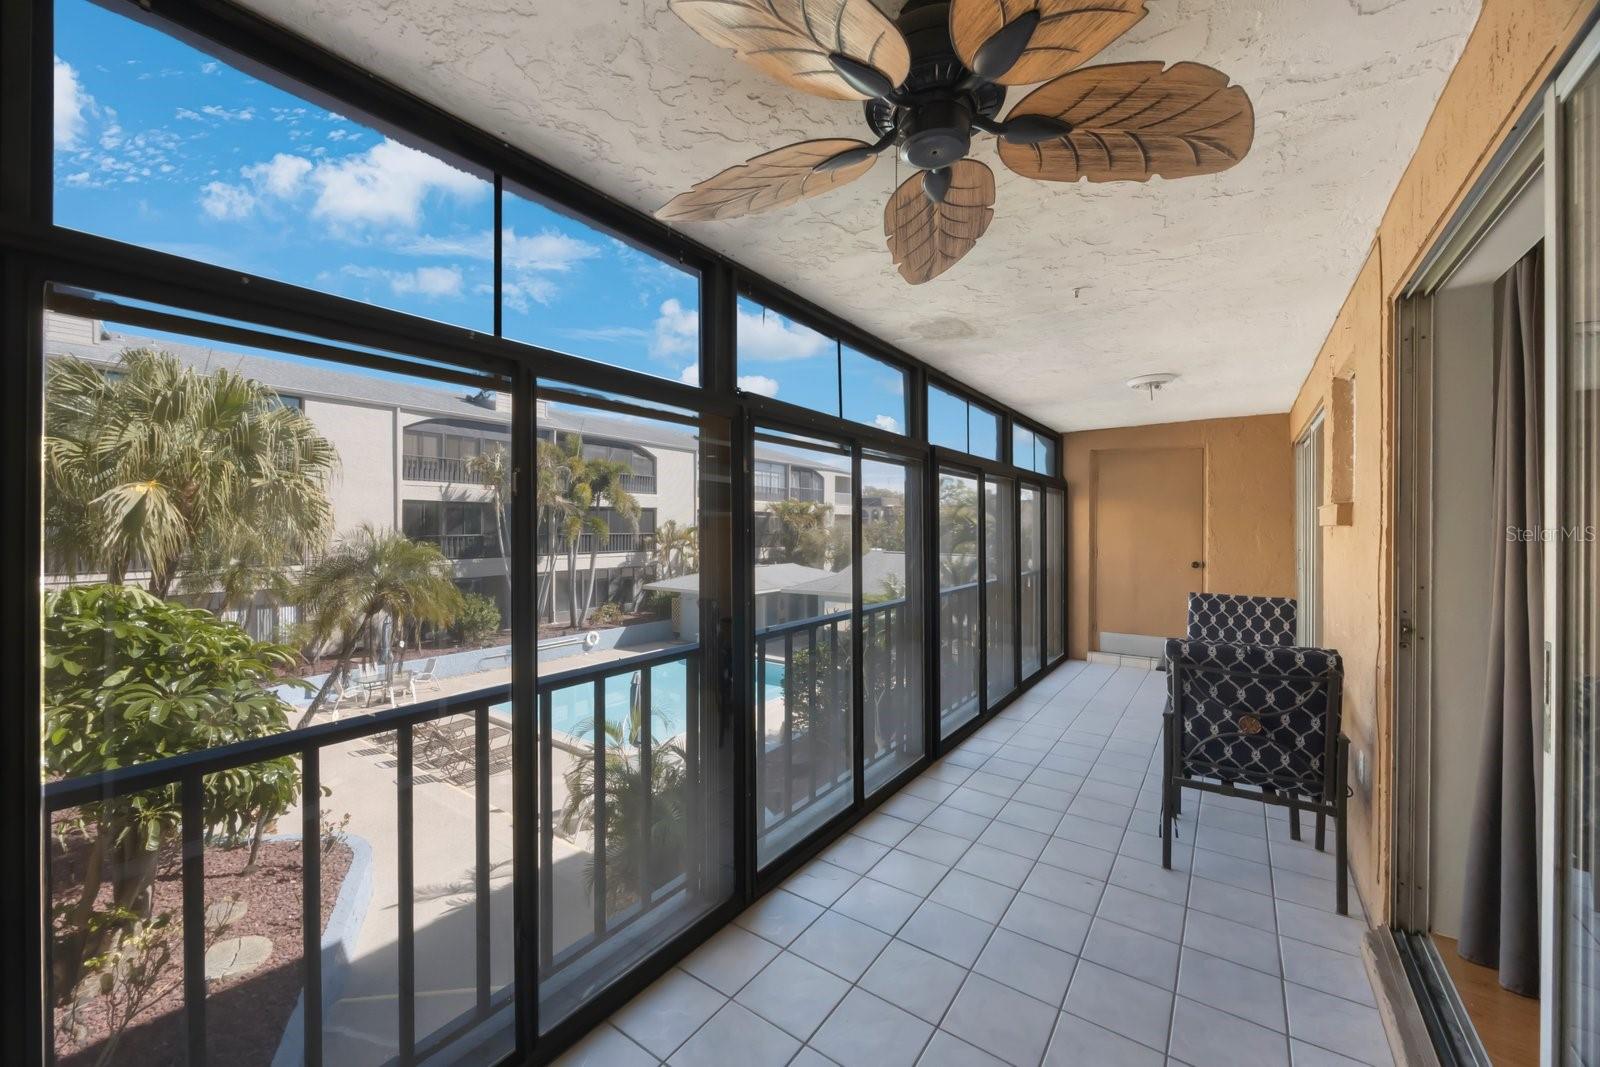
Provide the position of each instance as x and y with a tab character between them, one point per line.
579	486
492	469
800	532
208	477
373	573
629	852
676	549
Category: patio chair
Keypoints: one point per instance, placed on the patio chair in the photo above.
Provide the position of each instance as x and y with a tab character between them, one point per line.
1259	722
1248	620
425	676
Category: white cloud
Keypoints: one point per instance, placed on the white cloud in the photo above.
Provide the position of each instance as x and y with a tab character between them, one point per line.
223	201
886	422
82	177
217	111
211	66
690	375
430	282
282	175
759	384
386	184
677	332
72	105
607	333
770	338
523	294
544	251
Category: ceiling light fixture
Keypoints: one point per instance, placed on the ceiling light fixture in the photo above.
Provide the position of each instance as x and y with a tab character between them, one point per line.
1151	382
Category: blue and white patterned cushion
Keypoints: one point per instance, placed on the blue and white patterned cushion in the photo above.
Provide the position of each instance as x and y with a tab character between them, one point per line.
1255	714
1253	620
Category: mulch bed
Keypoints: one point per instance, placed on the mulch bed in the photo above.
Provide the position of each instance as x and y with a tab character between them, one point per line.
245	1013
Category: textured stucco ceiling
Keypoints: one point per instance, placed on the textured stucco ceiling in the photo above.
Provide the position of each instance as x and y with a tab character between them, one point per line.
1230	281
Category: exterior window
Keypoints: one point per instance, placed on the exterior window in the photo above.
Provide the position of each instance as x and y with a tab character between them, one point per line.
572	287
806	484
841	492
771	480
1028	585
956	423
983	432
168	147
873	392
892	595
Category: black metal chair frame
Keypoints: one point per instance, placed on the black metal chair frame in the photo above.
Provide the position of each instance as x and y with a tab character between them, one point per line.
1335	786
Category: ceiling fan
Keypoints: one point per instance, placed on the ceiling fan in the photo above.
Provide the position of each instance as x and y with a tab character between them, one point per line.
938	74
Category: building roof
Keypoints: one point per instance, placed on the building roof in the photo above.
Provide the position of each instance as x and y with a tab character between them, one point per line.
769	578
878	566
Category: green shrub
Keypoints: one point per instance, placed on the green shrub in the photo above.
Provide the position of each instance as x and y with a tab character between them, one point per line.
608	614
479	618
130	678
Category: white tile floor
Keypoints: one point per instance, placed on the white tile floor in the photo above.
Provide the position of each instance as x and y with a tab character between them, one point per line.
1009	906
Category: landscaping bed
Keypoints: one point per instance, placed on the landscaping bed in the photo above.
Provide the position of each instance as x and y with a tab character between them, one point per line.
254	951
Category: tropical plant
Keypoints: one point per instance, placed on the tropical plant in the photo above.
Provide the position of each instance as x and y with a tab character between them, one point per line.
800	532
958	532
479	618
580	486
373	574
677	549
207	478
628	852
129	678
608	614
492	469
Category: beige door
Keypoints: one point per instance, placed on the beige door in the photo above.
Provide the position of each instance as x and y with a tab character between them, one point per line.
1149	509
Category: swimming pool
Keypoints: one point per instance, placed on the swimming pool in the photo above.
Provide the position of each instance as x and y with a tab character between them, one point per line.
572	708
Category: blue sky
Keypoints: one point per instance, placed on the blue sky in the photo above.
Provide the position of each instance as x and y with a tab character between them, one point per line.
161	145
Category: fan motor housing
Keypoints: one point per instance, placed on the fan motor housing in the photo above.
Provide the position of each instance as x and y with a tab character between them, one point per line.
942	96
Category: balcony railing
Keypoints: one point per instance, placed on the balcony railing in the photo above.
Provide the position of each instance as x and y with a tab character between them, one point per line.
404	728
793	492
436	469
464	546
616	542
806	755
639	483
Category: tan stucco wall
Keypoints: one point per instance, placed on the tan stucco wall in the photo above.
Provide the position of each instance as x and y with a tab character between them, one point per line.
1249	506
1513	50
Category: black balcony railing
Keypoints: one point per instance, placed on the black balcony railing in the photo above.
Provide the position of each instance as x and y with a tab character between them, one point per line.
410	731
769	491
806	755
612	744
958	652
639	483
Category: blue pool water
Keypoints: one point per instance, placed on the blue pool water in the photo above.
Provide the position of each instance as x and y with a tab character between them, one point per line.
572	708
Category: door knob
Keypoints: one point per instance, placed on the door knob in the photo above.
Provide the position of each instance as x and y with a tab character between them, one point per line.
1197	564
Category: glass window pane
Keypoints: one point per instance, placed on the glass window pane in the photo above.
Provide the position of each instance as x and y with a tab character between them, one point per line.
1056	565
574	288
983	432
874	391
1022	448
639	847
1000	584
311	605
780	358
802	675
959	618
1029	586
891	616
162	145
1045	453
947	419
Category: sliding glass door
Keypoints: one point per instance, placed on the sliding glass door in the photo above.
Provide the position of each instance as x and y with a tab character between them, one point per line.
1577	773
635	791
1030	584
1000	586
893	589
960	605
803	616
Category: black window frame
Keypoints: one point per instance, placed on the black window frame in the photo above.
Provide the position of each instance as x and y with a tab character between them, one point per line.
34	252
